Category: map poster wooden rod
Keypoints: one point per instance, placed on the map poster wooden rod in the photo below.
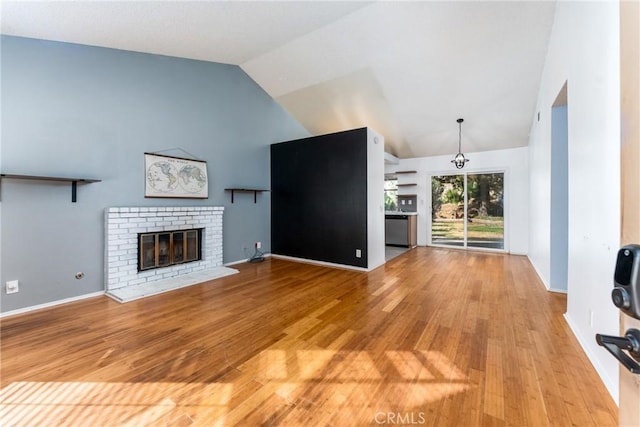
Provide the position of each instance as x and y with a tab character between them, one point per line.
192	158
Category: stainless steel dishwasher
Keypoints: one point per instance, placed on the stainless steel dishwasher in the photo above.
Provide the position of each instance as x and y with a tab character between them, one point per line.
396	230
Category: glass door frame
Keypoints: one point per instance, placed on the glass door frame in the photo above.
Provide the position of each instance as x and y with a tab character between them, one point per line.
505	204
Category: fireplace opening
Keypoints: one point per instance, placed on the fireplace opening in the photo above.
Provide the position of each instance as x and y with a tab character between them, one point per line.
165	248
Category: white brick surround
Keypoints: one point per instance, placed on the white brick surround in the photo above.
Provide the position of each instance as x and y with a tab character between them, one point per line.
122	226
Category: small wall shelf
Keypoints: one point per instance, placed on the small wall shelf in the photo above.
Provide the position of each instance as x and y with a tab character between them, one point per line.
74	181
255	192
401	172
406	185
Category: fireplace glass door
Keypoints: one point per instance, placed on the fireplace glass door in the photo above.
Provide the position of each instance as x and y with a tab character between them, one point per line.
164	249
178	247
147	249
192	245
168	248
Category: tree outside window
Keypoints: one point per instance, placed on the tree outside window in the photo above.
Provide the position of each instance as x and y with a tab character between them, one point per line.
391	193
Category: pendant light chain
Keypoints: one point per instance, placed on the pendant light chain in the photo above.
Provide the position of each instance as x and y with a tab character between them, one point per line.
459	160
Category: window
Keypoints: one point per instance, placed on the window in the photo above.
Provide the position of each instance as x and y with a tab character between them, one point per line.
467	210
390	193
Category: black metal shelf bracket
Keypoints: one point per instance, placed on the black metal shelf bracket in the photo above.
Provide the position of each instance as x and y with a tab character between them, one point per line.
255	192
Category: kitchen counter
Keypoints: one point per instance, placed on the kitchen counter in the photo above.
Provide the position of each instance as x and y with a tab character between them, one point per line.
399	213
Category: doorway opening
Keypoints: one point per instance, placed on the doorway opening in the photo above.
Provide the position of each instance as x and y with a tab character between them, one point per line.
559	193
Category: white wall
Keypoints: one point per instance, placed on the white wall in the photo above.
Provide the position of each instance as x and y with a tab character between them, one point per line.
584	52
515	164
375	199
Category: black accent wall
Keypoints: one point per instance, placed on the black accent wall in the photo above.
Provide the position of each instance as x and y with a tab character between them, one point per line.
319	198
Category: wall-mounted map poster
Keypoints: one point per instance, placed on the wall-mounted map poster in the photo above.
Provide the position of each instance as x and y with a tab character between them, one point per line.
167	176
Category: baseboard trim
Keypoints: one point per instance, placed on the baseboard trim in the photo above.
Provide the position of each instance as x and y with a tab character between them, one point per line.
79	298
519	254
49	304
322	263
542	279
544	282
610	385
242	261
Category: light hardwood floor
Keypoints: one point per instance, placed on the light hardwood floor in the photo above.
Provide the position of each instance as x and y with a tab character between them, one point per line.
434	337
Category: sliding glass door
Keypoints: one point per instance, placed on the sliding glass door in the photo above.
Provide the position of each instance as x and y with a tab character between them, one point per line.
467	210
485	210
447	210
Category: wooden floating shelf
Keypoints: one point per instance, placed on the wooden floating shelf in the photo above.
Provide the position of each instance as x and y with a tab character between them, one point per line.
255	192
74	181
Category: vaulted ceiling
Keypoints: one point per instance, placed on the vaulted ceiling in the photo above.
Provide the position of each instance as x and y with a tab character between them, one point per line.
406	69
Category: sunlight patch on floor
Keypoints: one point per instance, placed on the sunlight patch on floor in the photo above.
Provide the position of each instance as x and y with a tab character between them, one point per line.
280	378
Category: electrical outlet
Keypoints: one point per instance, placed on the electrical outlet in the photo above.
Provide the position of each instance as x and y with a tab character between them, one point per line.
258	245
12	287
358	253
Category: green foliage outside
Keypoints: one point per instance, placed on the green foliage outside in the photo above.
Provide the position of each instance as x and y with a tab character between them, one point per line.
390	202
485	221
491	229
391	195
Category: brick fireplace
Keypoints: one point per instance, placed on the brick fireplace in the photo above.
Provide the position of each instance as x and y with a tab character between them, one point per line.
124	225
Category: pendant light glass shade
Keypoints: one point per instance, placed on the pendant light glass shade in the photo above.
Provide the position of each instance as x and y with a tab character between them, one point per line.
459	160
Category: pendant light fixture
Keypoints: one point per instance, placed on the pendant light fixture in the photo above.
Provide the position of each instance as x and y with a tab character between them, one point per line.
459	159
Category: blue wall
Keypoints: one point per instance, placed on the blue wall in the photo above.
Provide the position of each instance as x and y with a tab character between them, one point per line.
71	110
559	222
